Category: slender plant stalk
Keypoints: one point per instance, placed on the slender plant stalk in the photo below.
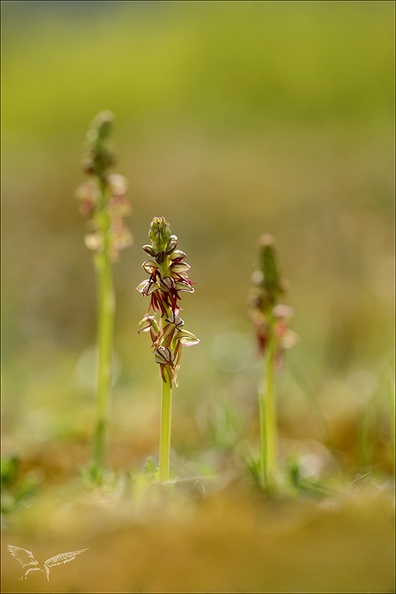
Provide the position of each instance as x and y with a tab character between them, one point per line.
105	324
390	392
166	405
273	337
269	445
104	203
165	431
263	442
268	461
168	278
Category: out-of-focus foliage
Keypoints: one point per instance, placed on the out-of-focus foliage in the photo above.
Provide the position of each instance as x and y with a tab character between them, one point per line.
222	64
234	542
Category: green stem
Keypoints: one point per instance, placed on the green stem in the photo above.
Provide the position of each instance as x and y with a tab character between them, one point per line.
105	323
263	444
268	418
391	402
165	433
166	406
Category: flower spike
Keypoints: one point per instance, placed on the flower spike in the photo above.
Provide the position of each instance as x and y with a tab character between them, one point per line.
103	203
273	336
168	278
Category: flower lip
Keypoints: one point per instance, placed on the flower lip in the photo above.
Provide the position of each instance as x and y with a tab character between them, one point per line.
149	250
177	256
175	320
118	184
172	245
147	287
179	267
150	266
164	355
184	285
187	338
167	283
160	257
145	324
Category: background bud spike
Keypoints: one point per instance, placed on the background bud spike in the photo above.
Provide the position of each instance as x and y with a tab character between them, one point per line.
273	337
103	203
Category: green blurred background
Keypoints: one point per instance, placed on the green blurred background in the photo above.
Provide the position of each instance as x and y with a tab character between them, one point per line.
232	119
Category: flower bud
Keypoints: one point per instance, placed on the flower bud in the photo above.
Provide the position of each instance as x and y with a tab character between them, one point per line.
160	234
150	266
282	311
101	126
149	250
118	184
147	287
269	268
175	320
167	283
187	338
289	339
145	324
94	242
87	194
179	267
121	238
177	256
184	286
172	244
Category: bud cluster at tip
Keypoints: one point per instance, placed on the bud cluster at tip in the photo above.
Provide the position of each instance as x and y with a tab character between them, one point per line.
269	317
102	197
167	270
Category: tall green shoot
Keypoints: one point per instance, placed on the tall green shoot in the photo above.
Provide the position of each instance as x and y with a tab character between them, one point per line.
167	270
103	202
269	318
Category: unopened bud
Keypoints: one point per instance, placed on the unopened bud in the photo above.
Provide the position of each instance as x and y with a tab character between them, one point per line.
282	311
94	242
145	324
160	234
187	338
269	269
101	126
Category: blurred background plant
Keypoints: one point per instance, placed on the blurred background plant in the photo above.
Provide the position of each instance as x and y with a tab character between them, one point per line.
273	337
232	119
103	202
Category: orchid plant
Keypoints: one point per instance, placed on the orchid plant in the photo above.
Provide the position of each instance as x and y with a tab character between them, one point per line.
103	203
168	278
270	321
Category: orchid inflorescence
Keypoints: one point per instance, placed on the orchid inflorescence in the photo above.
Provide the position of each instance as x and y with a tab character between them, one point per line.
270	318
167	270
102	197
103	202
273	336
